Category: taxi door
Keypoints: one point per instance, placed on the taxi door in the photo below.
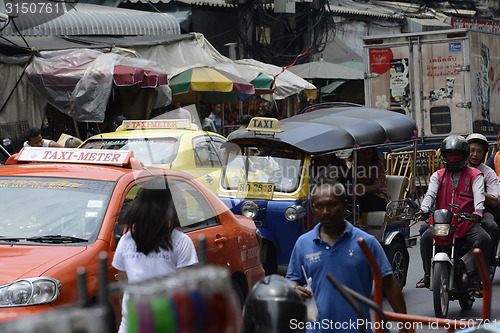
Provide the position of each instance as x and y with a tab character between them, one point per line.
208	160
196	217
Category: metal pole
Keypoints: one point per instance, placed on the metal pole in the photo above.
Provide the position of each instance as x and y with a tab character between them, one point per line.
103	278
73	114
414	172
485	277
82	286
355	168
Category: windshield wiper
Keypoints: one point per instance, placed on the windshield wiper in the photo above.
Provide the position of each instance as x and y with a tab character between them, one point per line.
56	239
10	239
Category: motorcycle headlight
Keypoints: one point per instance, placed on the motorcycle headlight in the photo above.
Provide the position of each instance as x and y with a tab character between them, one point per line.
440	229
32	291
250	209
295	212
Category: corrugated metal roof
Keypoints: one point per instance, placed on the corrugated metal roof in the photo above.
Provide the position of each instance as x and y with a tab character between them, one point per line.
337	9
87	19
210	3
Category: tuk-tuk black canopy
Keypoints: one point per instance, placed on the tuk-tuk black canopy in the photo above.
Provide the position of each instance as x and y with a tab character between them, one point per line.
336	128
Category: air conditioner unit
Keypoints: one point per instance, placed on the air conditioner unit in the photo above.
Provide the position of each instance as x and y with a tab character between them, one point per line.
284	6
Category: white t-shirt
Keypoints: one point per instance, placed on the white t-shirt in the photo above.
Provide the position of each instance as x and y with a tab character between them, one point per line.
140	267
46	143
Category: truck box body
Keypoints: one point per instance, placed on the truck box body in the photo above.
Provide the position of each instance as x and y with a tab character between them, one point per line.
448	81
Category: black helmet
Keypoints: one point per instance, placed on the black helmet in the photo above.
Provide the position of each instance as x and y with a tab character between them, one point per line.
479	138
274	305
454	143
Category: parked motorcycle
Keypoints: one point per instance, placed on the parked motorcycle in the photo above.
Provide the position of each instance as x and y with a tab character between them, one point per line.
452	262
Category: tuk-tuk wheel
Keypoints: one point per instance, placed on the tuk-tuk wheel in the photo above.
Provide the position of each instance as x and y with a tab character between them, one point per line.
398	258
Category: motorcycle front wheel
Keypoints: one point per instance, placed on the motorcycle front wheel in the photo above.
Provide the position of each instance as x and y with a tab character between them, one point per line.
440	289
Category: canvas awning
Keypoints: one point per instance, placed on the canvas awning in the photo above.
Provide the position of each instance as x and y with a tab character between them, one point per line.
325	70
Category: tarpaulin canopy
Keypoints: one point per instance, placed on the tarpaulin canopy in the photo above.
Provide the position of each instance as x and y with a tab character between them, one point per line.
336	128
325	70
82	79
282	83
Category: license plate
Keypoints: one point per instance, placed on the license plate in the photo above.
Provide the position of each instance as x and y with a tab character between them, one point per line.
255	190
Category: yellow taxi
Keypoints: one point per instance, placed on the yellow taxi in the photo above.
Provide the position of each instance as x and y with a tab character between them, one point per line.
169	144
59	212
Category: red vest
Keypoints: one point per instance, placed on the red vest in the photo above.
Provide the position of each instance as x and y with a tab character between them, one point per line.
462	196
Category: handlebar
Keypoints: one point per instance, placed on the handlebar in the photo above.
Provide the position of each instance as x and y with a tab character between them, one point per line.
425	217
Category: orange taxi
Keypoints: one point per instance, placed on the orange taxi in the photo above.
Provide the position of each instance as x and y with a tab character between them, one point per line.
60	211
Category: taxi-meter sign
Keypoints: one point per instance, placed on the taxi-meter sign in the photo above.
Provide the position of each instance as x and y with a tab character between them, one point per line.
263	124
252	190
68	155
156	124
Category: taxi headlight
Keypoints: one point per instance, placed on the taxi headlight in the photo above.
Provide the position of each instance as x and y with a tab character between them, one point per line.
250	209
440	229
295	212
32	291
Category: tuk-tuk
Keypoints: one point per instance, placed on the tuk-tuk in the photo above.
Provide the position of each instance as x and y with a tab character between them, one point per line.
268	174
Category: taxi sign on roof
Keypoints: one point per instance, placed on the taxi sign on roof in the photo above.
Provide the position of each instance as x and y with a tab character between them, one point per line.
156	124
263	124
69	155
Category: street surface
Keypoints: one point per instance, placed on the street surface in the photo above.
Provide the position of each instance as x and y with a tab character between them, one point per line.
419	301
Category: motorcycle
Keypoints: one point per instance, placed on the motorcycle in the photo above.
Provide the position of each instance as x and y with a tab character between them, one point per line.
452	262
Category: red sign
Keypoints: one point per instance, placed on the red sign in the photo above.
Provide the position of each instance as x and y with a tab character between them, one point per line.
477	25
380	60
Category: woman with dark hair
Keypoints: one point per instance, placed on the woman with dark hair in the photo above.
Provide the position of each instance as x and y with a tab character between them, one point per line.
151	247
371	191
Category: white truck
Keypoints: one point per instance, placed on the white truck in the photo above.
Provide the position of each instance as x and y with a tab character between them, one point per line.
448	81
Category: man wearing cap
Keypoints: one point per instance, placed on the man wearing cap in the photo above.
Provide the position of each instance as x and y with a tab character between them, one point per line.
478	147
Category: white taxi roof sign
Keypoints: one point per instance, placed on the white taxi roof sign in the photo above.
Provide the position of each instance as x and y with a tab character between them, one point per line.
156	124
74	155
263	124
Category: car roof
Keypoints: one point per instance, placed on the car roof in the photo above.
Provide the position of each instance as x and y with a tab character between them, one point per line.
83	171
80	171
39	162
152	133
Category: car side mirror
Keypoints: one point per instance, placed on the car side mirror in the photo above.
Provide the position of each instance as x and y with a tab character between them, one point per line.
118	232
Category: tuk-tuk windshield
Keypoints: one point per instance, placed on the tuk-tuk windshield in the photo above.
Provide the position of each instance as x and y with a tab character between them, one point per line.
280	166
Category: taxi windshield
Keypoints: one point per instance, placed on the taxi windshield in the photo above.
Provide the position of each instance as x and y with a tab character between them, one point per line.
277	165
148	150
52	210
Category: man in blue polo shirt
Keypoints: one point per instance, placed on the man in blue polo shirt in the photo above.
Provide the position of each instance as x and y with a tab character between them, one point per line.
331	247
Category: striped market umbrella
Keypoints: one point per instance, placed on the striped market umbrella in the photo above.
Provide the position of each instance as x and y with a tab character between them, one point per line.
263	84
209	85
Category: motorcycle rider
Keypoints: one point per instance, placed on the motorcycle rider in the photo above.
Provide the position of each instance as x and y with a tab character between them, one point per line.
478	148
460	184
